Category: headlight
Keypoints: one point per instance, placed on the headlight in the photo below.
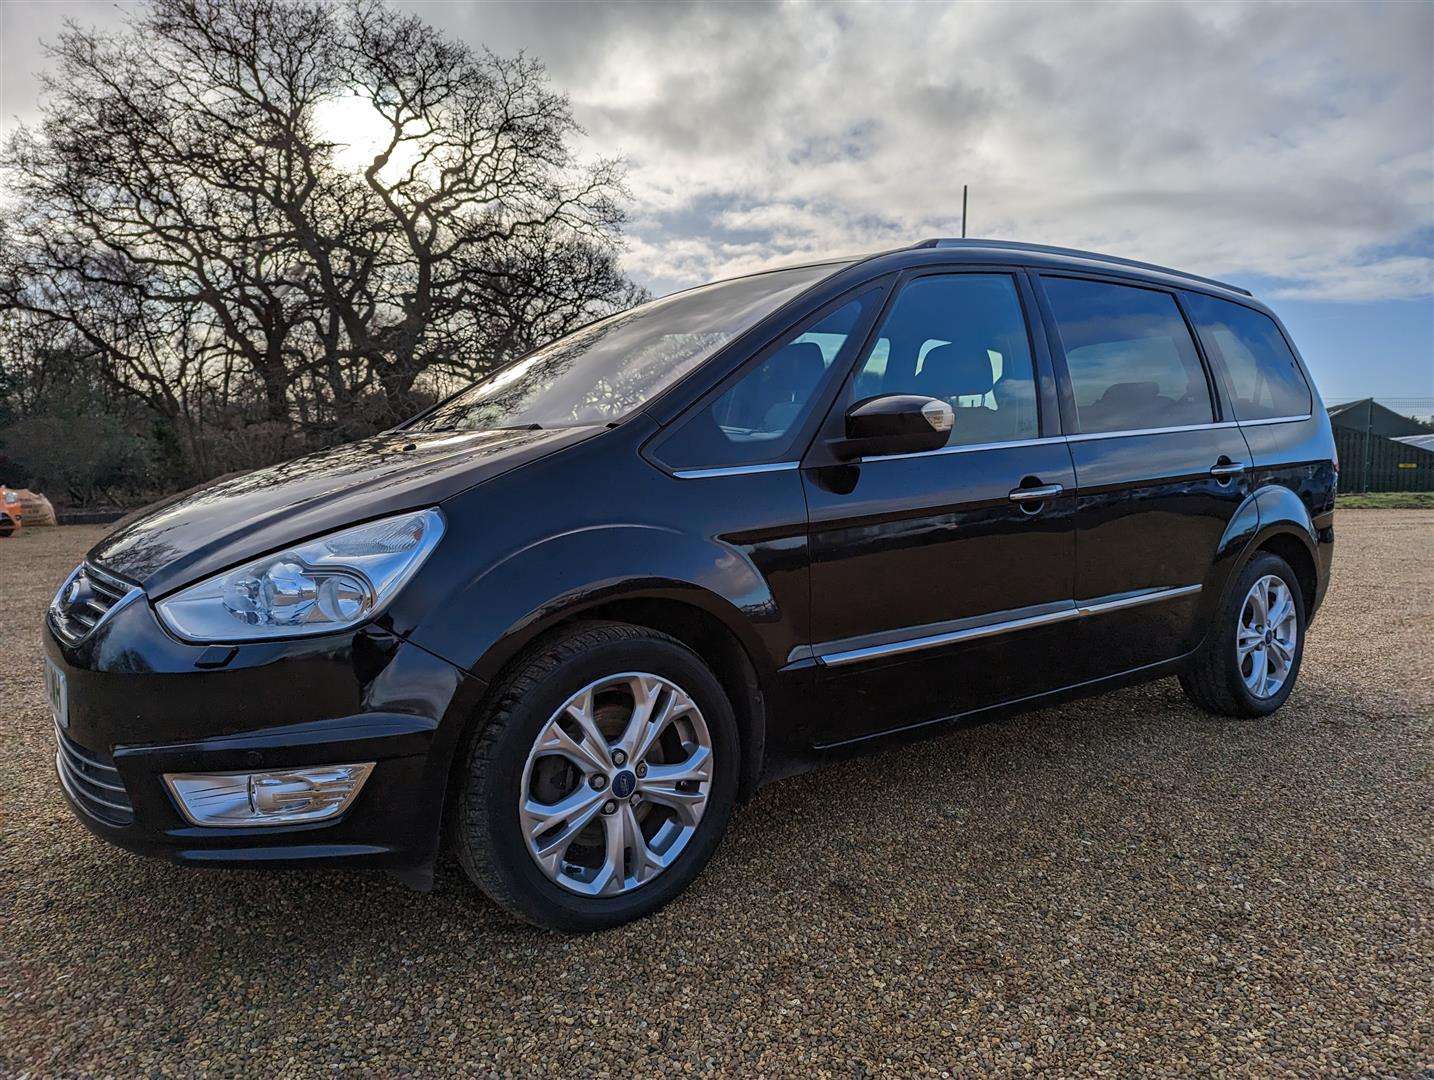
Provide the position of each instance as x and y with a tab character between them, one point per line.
328	584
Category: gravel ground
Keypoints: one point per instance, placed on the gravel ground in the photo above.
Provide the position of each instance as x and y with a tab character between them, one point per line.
1114	886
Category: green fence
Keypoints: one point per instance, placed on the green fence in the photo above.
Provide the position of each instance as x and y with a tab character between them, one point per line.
1370	462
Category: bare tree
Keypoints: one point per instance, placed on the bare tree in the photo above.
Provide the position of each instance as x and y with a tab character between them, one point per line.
184	210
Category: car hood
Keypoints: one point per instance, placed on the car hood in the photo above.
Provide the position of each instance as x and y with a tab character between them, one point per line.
201	532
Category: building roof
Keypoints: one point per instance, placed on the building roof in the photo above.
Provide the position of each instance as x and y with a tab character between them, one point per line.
1422	442
1381	420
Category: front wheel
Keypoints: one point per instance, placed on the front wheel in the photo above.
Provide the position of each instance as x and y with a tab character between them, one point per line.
1251	657
601	779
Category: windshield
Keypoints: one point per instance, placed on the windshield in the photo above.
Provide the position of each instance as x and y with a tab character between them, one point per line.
604	371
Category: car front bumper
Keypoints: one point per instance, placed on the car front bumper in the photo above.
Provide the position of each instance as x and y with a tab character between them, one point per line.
140	704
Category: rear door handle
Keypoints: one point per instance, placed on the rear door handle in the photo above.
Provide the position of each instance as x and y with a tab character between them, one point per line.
1233	468
1036	494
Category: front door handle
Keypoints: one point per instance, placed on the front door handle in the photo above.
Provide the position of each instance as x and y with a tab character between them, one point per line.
1226	470
1036	494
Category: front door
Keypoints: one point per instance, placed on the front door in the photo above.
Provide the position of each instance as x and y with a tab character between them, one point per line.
942	582
1159	473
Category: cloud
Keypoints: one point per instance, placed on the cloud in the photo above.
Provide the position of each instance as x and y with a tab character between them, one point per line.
1281	142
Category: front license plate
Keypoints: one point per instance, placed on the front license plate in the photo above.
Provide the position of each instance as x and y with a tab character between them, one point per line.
58	693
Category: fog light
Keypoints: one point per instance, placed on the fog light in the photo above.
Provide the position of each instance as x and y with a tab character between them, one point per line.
286	797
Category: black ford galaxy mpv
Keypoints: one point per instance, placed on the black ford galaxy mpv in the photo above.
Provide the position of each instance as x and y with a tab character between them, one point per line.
569	618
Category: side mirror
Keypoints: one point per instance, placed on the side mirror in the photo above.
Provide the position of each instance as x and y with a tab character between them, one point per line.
895	424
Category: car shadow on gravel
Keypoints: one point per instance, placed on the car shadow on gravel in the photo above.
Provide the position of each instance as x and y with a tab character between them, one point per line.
979	782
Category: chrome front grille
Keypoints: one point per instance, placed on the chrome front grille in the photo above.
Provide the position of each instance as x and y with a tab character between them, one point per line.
87	596
92	781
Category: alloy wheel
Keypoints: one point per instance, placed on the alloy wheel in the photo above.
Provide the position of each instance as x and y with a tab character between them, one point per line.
615	784
1268	634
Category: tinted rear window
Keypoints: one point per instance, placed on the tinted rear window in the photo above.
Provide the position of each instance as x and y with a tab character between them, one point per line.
1264	375
1132	361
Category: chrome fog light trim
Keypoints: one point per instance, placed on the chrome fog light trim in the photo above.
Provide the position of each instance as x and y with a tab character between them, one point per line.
277	797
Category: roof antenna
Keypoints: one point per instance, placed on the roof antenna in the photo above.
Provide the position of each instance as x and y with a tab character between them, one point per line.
963	211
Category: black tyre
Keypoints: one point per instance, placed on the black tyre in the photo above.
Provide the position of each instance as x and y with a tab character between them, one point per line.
599	781
1250	659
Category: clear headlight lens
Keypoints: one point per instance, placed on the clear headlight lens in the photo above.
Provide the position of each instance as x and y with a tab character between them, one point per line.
328	584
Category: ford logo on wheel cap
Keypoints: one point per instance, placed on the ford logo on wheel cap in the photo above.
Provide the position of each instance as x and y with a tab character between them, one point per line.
624	784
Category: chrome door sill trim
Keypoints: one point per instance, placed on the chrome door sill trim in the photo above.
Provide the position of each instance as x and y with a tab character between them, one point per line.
735	470
973	633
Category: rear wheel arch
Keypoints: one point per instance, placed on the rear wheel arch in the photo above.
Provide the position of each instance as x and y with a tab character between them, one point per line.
1295	550
1271	519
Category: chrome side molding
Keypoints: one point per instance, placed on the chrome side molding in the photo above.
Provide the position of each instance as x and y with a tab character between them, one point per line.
1100	607
1084	610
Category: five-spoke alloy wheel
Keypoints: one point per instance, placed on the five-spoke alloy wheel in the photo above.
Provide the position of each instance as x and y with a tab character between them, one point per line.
600	780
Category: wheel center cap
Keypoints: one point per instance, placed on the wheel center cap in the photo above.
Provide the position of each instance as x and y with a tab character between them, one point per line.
624	784
1269	636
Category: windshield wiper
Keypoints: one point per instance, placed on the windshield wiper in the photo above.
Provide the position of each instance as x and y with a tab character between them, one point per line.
501	427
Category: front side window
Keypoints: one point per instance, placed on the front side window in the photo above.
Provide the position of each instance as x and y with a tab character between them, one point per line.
1265	378
1132	362
758	417
604	371
960	338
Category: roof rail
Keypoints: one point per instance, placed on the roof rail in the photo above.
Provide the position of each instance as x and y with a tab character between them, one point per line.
1076	253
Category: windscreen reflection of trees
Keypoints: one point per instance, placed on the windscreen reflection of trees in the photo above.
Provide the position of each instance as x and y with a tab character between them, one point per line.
301	217
606	370
529	391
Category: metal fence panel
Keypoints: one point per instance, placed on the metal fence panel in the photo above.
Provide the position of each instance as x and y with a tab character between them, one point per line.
1369	462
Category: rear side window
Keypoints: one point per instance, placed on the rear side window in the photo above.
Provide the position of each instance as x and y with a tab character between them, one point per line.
960	338
1264	375
1132	361
759	416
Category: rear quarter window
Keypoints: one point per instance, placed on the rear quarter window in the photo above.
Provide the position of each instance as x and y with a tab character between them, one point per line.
1132	362
1265	378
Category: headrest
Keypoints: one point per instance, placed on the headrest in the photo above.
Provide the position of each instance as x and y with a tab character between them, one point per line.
801	356
956	372
1130	393
798	366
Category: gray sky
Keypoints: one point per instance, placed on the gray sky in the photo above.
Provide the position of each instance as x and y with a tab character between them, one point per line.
1289	147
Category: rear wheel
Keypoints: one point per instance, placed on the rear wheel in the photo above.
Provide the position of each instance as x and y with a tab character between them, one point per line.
601	780
1249	662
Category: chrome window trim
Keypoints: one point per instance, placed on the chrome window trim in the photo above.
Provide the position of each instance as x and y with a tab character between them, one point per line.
1084	436
970	448
1075	611
736	470
1126	433
1276	420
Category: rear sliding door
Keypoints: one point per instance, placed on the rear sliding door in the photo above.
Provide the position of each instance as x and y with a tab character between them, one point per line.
1159	471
